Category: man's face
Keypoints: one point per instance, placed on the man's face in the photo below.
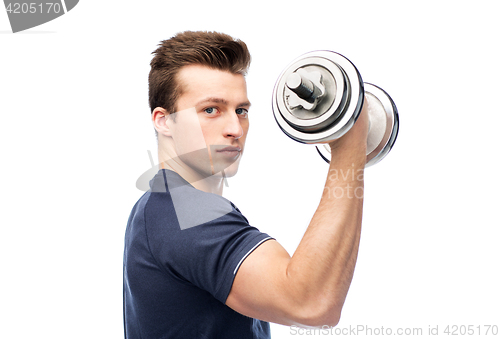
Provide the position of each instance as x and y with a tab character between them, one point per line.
211	123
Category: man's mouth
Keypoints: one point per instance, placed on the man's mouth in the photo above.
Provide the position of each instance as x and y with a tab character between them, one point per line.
229	151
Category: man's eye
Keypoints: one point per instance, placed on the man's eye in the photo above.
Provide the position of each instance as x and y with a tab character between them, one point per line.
211	110
241	111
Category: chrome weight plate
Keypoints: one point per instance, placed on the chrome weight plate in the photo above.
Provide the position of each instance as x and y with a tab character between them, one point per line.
318	97
384	126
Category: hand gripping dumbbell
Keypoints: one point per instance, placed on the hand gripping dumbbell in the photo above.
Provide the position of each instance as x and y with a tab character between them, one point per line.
319	97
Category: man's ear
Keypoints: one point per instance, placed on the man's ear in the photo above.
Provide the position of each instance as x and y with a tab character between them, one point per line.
159	118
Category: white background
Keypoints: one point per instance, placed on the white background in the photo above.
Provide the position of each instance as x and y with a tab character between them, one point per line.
75	131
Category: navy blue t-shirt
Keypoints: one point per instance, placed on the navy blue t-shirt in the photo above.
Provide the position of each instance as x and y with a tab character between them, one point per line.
183	248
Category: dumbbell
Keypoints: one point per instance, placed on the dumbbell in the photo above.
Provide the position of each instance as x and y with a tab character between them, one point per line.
319	97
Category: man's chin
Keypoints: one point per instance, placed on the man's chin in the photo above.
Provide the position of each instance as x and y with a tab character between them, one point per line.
227	171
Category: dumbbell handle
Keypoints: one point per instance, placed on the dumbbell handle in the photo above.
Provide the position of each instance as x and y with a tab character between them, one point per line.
303	87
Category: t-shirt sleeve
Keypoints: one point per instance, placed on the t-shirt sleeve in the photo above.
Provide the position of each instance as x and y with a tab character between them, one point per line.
206	253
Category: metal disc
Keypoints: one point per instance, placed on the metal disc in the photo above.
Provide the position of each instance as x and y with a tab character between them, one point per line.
384	126
320	129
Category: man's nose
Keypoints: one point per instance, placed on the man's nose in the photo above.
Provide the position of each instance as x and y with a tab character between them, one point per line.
232	126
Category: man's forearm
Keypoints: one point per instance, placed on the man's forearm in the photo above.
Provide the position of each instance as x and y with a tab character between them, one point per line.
321	270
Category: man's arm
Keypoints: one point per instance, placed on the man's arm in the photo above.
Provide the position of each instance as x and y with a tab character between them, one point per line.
310	288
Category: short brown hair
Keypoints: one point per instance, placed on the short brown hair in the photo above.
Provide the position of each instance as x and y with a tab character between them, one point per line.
211	49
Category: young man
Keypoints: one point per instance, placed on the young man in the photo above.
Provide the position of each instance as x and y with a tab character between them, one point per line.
193	265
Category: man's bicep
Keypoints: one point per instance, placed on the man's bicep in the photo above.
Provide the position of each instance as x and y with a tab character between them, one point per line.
260	287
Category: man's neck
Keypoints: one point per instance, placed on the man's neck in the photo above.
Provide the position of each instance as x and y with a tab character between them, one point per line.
210	184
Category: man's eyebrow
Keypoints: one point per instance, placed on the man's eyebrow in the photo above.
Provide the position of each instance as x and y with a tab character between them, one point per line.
220	101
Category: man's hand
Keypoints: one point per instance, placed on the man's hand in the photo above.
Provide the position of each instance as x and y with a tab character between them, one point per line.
355	139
